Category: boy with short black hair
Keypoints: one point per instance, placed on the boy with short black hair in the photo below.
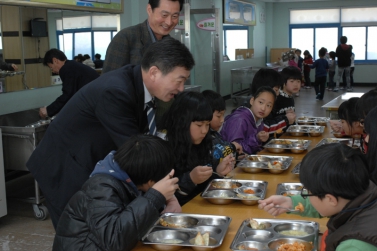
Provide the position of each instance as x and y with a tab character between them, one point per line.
285	104
321	66
221	148
122	199
336	185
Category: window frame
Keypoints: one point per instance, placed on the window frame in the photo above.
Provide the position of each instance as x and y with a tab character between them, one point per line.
234	27
340	32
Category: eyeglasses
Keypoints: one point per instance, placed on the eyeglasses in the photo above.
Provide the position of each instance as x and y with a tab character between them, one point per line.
305	193
361	121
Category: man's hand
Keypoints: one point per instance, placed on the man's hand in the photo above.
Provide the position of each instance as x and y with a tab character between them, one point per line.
43	112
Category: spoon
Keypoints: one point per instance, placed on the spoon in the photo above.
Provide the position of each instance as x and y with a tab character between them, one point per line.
288	209
181	192
224	176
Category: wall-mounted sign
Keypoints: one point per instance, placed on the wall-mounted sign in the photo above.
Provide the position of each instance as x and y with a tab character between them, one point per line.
239	12
181	23
207	24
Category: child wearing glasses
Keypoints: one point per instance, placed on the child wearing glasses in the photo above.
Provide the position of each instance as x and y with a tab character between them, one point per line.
336	185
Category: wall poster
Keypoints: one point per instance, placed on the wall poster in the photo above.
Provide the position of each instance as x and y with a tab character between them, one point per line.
239	12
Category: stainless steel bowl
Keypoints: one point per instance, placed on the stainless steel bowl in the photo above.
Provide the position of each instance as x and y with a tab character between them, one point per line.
212	242
181	221
226	184
250	244
321	123
265	223
297	150
251	166
297	133
337	135
276	148
293	187
295	226
213	221
161	237
290	192
275	244
315	133
220	197
258	235
276	170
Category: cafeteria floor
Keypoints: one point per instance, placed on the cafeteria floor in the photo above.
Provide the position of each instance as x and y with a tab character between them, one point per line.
20	231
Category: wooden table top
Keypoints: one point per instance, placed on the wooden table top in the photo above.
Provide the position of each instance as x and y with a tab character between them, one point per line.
336	102
238	211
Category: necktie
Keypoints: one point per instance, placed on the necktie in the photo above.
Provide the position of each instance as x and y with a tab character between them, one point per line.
151	118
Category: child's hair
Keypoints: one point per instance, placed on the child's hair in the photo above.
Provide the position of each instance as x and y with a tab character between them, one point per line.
347	111
186	108
370	128
335	169
322	52
264	89
292	57
290	72
332	54
343	39
145	158
298	50
307	53
265	77
366	103
215	100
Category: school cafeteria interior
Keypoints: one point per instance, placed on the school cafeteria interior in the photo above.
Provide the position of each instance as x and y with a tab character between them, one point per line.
227	55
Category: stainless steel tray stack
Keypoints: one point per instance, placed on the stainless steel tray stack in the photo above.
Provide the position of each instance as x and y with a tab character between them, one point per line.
289	189
223	192
173	231
270	237
259	163
293	145
306	130
321	121
296	169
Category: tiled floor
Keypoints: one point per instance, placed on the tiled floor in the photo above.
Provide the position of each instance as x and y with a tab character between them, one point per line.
20	231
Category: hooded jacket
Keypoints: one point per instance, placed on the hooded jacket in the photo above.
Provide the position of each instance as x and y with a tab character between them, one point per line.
108	213
344	53
241	127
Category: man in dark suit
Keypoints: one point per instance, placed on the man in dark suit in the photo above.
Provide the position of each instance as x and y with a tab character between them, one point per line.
101	116
73	75
129	44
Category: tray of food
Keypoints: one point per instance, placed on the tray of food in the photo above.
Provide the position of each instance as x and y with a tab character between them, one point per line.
305	130
259	163
224	192
321	121
289	189
173	231
296	169
293	145
326	141
272	234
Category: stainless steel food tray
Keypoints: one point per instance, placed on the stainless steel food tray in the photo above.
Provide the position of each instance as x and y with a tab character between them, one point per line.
294	145
288	189
296	169
347	141
305	130
270	237
221	192
185	227
313	121
260	163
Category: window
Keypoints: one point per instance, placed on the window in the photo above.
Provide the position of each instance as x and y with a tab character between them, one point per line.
311	31
235	37
86	34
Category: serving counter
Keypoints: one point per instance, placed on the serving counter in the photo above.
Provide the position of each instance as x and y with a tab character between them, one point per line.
238	211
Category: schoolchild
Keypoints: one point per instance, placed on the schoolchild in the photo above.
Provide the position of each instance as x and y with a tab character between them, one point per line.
371	140
348	117
343	53
308	60
121	200
333	187
285	103
332	67
187	130
245	125
273	79
300	60
220	147
321	67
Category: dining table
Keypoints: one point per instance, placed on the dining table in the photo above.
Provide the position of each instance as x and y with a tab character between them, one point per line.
239	212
